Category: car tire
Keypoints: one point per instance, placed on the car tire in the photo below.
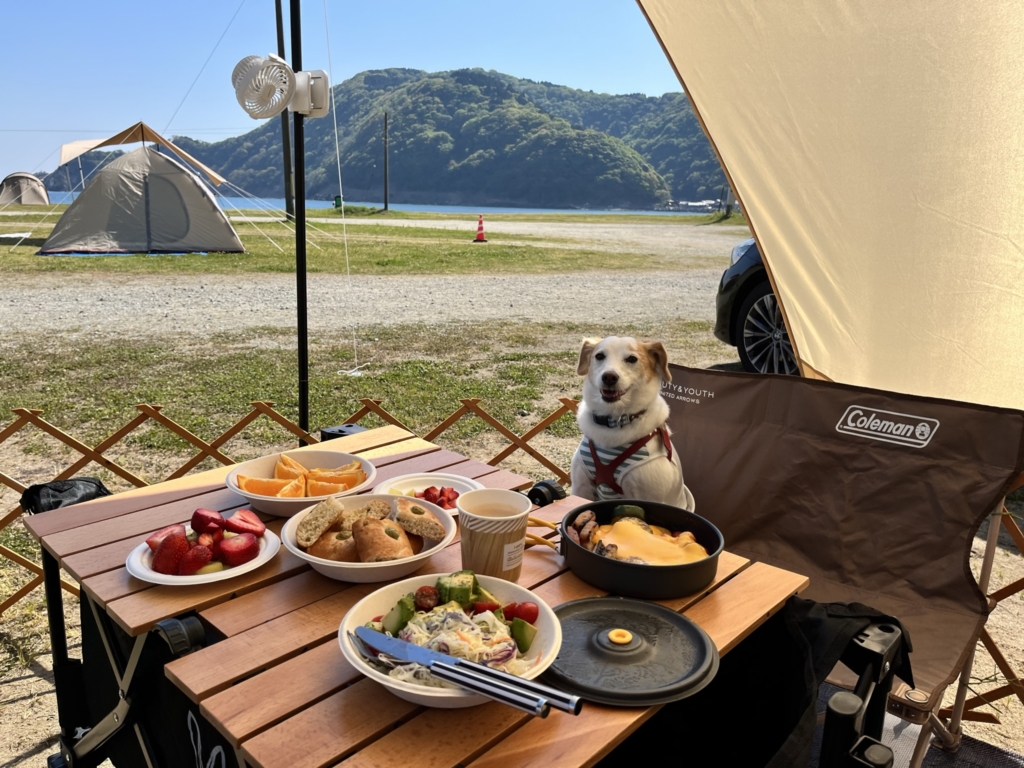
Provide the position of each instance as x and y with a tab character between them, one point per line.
761	336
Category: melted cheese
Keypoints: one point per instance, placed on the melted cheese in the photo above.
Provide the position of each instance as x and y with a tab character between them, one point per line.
656	548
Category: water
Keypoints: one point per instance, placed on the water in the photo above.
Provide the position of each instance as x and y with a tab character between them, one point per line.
229	204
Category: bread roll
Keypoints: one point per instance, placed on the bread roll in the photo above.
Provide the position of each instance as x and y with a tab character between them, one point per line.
414	517
320	518
376	509
380	540
336	545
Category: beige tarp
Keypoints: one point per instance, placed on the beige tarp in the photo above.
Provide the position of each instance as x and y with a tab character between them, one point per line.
876	148
134	134
143	202
23	189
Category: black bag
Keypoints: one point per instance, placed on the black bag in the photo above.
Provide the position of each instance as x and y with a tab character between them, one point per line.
61	493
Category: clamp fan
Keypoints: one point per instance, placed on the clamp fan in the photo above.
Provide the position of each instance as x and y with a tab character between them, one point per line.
266	86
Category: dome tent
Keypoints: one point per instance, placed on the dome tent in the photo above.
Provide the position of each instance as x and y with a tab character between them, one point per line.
143	202
23	189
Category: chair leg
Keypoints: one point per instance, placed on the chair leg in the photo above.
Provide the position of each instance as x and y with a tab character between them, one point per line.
924	741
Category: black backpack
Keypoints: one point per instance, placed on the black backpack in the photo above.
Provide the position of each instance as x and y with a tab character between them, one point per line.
61	493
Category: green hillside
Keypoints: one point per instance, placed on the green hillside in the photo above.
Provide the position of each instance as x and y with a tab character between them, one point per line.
484	138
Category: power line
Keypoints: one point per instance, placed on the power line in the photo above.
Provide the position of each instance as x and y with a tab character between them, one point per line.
215	47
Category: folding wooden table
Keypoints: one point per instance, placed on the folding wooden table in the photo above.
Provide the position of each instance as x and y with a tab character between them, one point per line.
275	684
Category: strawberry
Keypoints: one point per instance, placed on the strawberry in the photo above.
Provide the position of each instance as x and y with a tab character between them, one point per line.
194	559
239	549
209	540
156	538
432	494
207	521
169	553
245	521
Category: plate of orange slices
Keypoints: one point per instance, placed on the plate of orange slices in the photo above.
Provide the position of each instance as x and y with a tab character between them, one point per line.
285	483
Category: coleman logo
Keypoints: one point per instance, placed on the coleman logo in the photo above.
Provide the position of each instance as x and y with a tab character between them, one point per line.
890	427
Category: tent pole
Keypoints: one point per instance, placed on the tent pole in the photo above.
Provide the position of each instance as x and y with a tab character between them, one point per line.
286	142
385	161
300	227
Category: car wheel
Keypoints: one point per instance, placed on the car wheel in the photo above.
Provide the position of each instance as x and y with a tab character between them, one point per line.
762	339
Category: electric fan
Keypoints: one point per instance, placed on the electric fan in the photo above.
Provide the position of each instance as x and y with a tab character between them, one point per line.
266	86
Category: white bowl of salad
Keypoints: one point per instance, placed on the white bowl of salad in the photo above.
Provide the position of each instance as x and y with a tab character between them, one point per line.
475	629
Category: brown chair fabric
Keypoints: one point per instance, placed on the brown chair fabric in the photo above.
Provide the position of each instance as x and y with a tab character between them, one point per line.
874	495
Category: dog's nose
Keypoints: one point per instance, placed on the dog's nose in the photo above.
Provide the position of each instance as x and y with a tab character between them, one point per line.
609	379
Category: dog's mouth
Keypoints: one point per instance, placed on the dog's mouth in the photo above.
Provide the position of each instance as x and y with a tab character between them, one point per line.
612	395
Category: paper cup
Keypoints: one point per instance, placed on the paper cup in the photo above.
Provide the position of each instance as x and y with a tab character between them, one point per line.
493	524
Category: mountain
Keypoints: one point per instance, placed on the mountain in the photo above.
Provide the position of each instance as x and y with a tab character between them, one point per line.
484	138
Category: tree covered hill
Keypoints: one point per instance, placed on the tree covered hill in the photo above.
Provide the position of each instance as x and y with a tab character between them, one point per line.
484	138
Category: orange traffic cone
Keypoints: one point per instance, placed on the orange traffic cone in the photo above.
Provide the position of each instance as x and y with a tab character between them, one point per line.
480	231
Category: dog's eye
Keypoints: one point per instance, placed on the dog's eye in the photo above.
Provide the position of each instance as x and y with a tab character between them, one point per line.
599	356
631	359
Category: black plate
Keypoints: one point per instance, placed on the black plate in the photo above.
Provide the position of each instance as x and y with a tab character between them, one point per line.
668	659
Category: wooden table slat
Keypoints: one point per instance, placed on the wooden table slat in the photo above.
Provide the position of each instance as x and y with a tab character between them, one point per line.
342	723
758	590
435	461
247	611
502	479
138	612
439	738
99	534
400	451
245	709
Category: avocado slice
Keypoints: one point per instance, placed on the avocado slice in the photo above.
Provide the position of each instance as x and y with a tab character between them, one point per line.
523	633
399	616
459	587
483	596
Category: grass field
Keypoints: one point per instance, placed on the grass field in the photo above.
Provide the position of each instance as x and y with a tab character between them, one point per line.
372	250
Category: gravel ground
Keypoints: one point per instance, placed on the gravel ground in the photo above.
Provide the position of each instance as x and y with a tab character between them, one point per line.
136	306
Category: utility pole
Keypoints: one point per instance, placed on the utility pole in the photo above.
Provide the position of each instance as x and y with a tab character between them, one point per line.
300	226
385	161
286	143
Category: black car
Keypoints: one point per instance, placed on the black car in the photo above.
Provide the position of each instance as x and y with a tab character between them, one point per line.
750	318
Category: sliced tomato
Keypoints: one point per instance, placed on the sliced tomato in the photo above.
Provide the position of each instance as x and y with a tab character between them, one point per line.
485	606
509	611
528	612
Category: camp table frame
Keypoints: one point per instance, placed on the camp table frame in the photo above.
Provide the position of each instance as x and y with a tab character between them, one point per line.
272	684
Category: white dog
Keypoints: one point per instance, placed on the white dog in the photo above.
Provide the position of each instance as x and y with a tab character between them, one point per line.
626	451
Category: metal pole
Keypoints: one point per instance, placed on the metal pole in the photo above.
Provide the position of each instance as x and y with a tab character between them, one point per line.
300	227
385	161
81	175
286	141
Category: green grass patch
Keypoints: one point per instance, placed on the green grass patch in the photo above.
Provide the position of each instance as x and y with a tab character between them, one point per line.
371	251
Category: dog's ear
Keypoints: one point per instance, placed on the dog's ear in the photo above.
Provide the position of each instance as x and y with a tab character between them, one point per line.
585	353
656	351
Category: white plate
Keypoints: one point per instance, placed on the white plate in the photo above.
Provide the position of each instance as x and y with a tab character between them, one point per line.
424	480
140	564
368	573
319	458
545	647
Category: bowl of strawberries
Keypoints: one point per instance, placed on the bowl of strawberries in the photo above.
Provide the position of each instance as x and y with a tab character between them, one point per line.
210	547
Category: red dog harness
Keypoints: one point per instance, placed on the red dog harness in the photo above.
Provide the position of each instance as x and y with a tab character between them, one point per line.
604	474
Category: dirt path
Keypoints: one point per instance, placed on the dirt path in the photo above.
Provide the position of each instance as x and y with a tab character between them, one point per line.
137	306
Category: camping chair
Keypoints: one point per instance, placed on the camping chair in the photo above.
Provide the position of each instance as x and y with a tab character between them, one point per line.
876	496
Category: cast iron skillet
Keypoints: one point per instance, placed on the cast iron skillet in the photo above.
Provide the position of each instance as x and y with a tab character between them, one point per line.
648	582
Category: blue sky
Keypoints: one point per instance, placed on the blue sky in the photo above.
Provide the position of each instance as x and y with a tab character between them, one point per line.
76	69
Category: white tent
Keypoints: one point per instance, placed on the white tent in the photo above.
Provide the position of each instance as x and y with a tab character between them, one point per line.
876	150
143	202
23	189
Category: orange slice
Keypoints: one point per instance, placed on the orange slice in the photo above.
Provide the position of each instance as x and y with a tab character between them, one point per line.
261	486
348	479
288	461
352	466
295	489
317	488
286	472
